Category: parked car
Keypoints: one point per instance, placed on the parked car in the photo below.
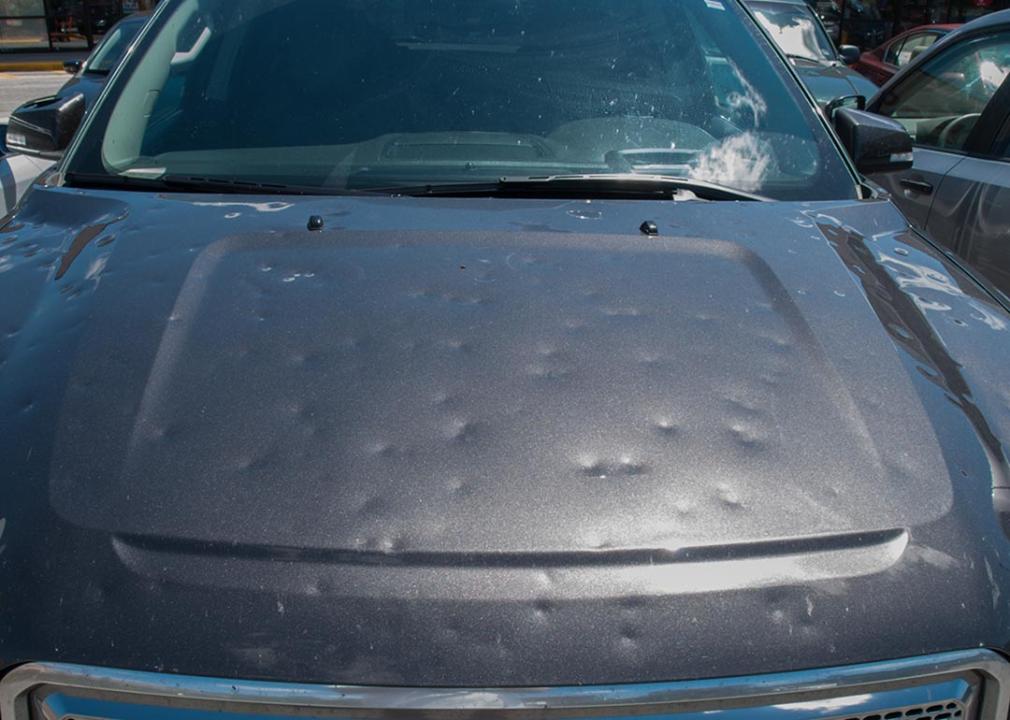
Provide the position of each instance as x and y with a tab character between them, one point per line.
797	30
91	75
17	173
497	368
955	101
881	64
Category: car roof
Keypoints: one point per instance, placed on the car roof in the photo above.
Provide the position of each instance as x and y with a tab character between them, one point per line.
942	28
991	21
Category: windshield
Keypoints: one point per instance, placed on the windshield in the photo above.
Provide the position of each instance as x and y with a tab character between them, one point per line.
795	29
360	94
111	50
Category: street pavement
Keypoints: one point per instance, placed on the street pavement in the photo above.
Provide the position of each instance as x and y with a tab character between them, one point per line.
17	88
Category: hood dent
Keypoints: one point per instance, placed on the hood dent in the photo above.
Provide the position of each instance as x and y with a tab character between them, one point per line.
901	292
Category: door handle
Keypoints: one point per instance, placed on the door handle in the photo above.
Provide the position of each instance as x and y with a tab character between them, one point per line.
919	186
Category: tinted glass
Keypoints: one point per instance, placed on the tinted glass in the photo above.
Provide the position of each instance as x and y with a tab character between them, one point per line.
113	47
940	102
795	29
893	51
912	47
359	94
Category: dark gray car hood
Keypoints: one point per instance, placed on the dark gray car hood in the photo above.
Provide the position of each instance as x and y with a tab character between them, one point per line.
492	442
830	81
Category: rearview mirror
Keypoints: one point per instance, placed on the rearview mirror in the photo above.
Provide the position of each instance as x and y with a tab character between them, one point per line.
44	128
876	144
849	54
73	66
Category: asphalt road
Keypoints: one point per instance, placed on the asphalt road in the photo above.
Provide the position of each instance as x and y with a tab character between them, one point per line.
20	87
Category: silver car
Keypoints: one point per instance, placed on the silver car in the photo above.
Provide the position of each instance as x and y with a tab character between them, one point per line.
954	100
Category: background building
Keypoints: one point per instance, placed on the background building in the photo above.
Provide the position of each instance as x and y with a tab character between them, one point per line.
44	25
868	23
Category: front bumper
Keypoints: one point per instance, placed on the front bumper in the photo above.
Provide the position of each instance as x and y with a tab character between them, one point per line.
970	685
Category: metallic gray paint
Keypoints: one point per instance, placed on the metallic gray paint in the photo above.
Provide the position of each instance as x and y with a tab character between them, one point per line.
970	214
482	443
830	81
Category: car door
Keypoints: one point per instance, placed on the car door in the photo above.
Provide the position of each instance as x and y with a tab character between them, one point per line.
871	63
971	212
946	105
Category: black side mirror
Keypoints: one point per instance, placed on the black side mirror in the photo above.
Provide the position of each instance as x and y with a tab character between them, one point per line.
849	54
876	144
73	66
845	101
44	128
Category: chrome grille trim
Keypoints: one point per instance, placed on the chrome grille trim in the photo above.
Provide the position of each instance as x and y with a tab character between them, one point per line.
768	692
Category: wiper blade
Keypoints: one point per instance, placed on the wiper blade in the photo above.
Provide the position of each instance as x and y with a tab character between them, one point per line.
805	58
609	185
195	184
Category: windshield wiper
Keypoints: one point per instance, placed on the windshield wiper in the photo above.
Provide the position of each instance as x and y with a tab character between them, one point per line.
806	58
195	184
636	186
610	185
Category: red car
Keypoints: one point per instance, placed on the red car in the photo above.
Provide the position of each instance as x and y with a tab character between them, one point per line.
881	64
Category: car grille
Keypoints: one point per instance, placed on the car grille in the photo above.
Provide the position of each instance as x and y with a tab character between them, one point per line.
937	711
971	685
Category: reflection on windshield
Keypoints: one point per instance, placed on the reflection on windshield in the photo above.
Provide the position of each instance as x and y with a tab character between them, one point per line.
742	161
795	30
113	47
454	91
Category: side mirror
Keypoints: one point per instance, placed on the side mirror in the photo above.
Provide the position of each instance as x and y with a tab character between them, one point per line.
845	101
849	54
44	128
73	66
876	144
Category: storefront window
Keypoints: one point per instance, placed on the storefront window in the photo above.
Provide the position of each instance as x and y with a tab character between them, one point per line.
61	24
23	25
22	8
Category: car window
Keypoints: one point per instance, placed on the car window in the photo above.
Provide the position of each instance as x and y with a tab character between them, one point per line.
940	102
108	54
795	29
893	50
448	91
913	46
